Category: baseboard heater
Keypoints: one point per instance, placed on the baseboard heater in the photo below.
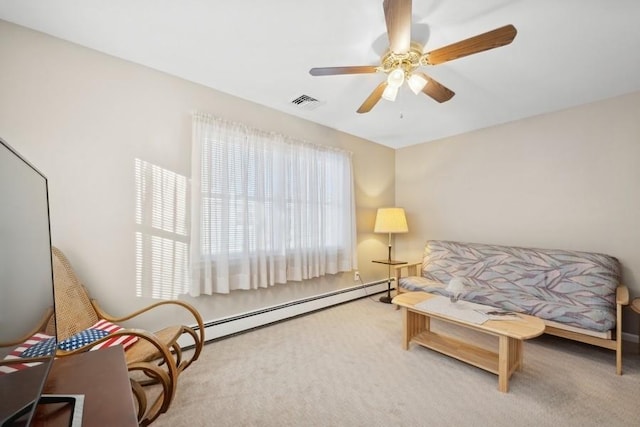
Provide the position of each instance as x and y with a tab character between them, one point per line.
231	325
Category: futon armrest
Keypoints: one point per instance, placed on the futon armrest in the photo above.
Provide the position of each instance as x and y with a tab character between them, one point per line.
412	269
622	295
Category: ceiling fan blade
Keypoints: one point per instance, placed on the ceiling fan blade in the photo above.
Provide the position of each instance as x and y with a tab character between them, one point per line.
373	99
397	14
435	90
499	37
332	71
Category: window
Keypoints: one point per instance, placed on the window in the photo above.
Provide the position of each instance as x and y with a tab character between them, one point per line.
266	209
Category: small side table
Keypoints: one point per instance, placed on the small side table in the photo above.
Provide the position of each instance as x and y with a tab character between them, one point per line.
389	262
635	306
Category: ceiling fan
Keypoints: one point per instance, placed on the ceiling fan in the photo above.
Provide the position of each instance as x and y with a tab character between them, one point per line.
404	57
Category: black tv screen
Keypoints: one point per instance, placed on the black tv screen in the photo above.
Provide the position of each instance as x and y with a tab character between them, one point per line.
26	287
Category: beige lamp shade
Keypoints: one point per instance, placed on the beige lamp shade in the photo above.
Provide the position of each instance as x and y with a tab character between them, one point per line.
391	220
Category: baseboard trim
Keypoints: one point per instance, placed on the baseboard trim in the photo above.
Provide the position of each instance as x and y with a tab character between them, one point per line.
243	322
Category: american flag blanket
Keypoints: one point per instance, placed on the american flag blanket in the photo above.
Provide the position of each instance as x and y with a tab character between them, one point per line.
40	345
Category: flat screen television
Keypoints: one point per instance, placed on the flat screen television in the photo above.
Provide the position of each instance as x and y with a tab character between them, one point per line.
26	287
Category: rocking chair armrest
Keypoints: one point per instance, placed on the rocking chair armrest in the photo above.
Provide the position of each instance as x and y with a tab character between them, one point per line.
196	315
163	350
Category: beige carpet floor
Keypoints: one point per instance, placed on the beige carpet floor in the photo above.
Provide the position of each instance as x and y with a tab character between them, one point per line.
344	366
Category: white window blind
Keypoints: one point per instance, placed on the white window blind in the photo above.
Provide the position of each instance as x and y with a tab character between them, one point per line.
266	208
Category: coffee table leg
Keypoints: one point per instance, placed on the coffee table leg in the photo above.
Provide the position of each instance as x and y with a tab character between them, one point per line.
412	324
519	354
510	359
503	364
405	328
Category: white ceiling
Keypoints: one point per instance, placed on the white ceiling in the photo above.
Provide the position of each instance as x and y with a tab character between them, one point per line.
566	53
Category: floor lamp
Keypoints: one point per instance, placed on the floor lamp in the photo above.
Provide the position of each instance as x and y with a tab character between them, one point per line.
391	221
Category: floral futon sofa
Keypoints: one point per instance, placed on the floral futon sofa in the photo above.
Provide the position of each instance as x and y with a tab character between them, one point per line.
577	294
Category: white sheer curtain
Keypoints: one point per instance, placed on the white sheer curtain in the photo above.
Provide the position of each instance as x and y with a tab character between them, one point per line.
266	208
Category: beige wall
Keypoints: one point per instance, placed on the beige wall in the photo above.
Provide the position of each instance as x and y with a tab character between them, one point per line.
82	117
567	180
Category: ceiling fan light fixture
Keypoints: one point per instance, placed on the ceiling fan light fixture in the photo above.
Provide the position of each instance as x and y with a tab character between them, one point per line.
396	78
390	93
405	57
416	83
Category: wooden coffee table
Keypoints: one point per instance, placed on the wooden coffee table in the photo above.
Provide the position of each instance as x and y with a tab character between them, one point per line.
511	333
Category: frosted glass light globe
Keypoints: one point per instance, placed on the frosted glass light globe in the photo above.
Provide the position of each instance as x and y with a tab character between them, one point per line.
396	78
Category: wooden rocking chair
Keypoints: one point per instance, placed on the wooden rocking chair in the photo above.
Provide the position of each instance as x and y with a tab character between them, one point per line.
154	359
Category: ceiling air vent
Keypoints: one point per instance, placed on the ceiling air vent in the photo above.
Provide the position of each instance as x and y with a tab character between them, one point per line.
306	102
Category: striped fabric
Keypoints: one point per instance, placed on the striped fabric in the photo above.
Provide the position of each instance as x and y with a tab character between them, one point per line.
16	354
99	329
570	287
124	340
